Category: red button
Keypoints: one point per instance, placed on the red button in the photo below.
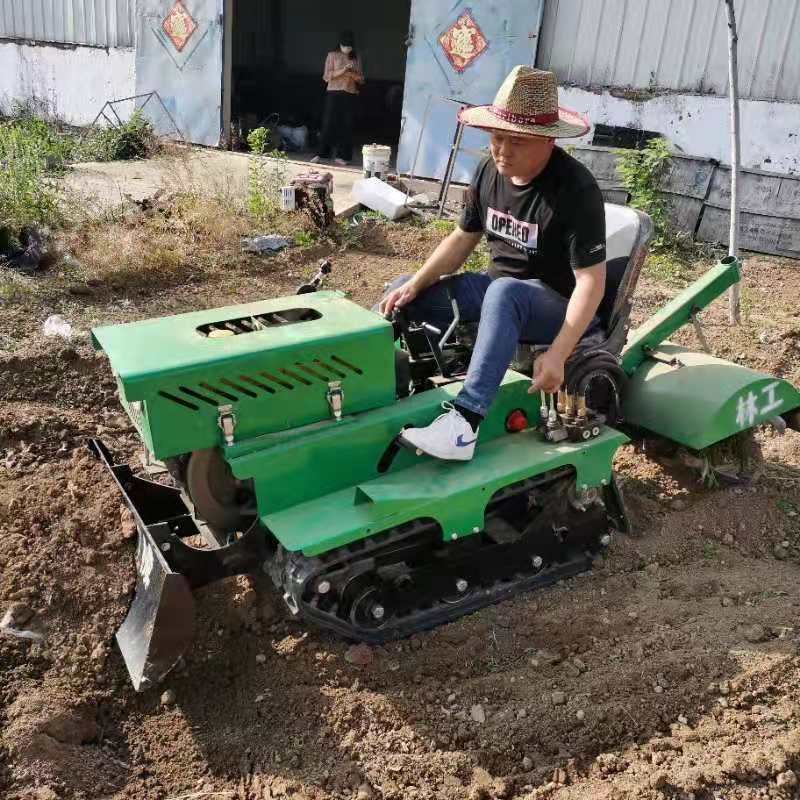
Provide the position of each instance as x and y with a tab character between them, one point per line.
516	421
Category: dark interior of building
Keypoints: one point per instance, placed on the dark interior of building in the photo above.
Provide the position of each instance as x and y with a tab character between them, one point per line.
279	50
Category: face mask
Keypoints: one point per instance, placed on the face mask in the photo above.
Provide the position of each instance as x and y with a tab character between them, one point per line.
346	49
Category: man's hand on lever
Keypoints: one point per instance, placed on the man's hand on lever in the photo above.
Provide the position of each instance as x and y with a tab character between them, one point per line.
548	373
398	298
548	369
446	259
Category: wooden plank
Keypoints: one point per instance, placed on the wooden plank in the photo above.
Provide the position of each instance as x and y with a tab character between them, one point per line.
758	232
683	211
763	193
618	196
684	174
688	175
601	161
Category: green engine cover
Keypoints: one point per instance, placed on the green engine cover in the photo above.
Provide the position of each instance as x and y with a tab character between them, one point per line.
270	361
701	400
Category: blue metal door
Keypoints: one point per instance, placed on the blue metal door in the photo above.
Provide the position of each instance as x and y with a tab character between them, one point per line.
461	50
179	55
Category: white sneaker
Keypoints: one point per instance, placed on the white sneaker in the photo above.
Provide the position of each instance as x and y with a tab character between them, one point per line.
316	160
340	162
448	437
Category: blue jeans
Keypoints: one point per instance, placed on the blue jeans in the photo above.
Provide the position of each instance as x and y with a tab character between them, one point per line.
510	310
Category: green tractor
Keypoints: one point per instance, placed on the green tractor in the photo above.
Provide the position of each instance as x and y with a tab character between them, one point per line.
278	422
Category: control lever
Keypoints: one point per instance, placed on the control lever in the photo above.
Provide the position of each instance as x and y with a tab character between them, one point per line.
456	319
325	269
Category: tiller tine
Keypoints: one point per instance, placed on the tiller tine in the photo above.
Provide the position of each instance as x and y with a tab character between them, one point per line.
160	622
159	626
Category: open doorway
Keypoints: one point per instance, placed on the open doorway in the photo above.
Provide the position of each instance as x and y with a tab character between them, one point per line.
277	57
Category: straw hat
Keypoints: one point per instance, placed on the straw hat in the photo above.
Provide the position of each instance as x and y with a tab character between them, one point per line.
527	105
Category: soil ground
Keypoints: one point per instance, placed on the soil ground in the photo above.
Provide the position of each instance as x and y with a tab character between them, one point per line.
671	671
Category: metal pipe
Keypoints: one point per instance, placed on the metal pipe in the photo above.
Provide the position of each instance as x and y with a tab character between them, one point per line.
456	318
419	143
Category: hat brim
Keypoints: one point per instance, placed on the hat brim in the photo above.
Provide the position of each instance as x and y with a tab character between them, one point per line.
570	123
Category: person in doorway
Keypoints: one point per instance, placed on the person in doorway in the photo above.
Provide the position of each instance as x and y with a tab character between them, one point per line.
542	213
344	76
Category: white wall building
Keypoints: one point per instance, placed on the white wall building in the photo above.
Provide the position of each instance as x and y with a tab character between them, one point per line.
68	55
660	65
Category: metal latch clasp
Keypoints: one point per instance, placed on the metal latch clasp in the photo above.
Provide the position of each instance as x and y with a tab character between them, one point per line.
335	397
226	420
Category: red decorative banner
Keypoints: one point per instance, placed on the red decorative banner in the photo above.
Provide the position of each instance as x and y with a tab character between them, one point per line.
463	42
179	25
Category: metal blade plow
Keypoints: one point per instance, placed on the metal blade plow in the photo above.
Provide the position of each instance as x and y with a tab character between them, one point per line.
160	622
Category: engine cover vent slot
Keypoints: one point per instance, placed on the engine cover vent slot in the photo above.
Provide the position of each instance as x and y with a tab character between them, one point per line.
347	365
179	401
234	388
258	322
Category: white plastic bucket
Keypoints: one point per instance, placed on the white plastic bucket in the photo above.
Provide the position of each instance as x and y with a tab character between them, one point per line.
288	198
377	158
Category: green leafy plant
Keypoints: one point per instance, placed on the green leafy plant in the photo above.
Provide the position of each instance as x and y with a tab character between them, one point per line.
267	173
54	147
642	173
134	139
305	239
28	194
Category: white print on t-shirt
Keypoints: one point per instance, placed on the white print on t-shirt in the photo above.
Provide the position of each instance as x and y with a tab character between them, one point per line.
519	234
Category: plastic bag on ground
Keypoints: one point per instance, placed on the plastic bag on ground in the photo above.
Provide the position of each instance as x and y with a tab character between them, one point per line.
265	244
56	325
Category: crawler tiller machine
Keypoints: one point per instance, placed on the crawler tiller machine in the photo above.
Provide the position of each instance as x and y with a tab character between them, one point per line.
277	422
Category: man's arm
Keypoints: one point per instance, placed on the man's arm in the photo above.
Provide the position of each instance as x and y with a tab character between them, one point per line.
590	284
449	255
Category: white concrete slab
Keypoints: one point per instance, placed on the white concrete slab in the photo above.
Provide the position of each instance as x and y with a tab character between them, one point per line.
203	170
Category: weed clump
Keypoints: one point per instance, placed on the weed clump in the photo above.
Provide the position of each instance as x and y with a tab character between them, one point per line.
642	172
267	173
134	139
28	195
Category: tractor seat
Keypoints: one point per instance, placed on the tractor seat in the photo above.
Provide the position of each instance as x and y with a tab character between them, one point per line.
593	369
628	233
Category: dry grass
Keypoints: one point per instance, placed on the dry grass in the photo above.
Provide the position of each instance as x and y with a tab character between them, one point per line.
178	238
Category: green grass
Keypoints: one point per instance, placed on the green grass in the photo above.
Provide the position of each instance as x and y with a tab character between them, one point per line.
442	226
710	550
479	259
790	509
664	267
14	293
28	195
305	239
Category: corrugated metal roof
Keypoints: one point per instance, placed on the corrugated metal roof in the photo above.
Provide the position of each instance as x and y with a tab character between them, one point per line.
101	23
678	45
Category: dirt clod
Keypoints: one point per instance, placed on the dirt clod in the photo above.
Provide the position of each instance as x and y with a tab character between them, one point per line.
359	655
477	714
788	778
168	697
755	633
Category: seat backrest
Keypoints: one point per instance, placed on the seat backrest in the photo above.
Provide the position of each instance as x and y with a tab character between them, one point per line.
628	232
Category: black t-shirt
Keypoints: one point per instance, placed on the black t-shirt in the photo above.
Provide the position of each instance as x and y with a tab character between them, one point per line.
544	230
